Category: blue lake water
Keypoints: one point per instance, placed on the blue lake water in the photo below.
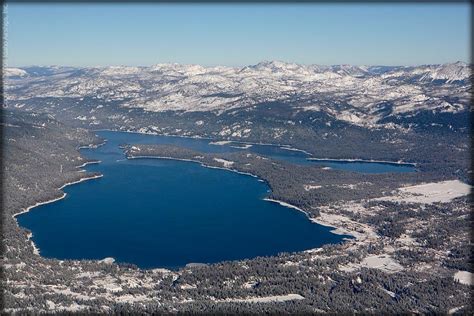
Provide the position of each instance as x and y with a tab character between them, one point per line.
167	213
276	152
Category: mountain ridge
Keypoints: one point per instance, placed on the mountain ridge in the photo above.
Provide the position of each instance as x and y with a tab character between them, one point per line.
360	95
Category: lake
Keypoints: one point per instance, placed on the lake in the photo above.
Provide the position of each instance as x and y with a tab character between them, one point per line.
168	213
283	153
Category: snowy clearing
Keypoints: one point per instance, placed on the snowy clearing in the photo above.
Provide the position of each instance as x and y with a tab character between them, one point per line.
226	163
442	192
382	262
463	277
267	299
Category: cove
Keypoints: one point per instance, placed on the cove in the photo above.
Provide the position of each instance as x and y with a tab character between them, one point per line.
167	213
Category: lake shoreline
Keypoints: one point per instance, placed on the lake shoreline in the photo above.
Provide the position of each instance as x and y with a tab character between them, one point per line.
216	142
395	163
213	141
36	250
195	161
336	230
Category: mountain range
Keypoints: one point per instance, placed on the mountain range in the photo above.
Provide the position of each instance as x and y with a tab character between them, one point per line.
366	96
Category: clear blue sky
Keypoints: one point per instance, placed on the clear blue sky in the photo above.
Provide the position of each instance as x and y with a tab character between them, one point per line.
236	34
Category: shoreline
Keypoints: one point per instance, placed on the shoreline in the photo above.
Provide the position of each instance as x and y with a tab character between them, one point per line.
341	231
151	134
290	148
36	250
213	140
89	163
27	209
285	204
281	146
92	146
398	163
81	180
336	230
195	161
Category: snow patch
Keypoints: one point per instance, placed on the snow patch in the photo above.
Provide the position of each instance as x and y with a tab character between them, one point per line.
436	192
267	299
108	260
382	262
309	187
463	277
226	163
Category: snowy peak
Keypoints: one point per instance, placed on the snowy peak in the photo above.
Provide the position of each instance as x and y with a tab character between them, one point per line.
276	66
177	68
450	72
119	70
349	70
15	72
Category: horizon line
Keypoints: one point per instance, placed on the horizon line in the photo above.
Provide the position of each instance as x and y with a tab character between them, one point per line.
238	66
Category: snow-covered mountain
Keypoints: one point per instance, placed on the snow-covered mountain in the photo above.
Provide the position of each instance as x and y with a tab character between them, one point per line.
361	95
15	72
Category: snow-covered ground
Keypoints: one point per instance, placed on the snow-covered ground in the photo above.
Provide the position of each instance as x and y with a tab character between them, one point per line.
108	260
309	187
284	204
268	299
193	88
226	163
464	277
442	192
382	262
